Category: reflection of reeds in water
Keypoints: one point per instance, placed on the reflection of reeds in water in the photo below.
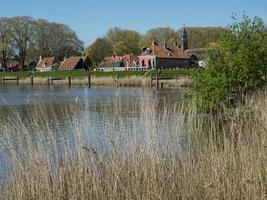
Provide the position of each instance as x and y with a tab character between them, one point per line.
201	157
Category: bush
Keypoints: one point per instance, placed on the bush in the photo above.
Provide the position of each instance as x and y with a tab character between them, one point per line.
236	67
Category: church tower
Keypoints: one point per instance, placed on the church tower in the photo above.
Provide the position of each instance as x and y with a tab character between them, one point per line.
184	40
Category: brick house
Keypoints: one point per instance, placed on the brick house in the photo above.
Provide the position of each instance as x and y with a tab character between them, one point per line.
167	56
164	56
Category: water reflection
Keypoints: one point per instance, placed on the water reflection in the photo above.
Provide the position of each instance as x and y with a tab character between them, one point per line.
97	115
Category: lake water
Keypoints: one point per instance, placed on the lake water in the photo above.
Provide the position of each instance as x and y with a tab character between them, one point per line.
96	114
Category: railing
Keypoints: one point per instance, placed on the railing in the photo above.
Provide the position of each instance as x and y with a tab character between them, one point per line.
131	69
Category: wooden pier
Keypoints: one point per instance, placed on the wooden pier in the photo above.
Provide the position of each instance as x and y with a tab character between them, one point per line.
158	81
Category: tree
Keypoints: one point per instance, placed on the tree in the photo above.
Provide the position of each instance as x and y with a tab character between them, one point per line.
238	66
43	36
98	50
160	35
200	37
5	40
27	39
64	41
124	41
22	36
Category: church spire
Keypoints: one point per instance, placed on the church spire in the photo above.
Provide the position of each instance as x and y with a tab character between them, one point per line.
184	39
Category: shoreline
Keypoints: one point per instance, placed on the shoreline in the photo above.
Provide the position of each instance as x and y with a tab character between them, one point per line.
132	81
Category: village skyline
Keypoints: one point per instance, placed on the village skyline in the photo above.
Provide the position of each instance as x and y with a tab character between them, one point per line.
93	19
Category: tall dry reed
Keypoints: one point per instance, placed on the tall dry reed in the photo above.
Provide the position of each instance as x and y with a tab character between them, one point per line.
188	155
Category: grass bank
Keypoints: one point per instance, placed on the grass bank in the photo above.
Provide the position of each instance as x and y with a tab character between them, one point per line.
62	74
125	78
202	157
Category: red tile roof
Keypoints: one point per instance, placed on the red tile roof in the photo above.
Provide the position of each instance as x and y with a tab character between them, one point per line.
71	63
124	58
165	51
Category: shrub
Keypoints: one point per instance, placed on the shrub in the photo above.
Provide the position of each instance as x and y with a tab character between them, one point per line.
236	67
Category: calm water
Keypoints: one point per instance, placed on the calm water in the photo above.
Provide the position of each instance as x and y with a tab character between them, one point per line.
96	114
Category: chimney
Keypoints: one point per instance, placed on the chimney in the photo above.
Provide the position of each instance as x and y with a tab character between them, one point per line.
40	60
165	45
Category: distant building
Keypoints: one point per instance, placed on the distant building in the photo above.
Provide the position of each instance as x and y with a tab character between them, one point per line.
75	63
196	55
127	60
45	64
14	65
166	56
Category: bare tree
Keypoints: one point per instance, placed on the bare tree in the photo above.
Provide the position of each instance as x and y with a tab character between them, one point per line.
22	36
5	40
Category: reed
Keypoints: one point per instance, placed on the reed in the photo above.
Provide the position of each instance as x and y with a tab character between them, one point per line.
186	156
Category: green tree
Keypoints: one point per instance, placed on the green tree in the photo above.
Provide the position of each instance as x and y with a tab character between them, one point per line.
98	50
160	35
124	41
237	67
200	37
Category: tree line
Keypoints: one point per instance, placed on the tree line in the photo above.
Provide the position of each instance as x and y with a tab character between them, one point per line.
25	39
120	41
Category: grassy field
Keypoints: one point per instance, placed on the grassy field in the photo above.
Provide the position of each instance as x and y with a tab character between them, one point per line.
221	156
122	74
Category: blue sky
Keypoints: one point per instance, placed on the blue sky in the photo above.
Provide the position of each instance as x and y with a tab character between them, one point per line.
92	18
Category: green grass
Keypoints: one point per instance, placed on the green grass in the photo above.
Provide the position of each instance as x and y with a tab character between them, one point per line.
58	74
122	74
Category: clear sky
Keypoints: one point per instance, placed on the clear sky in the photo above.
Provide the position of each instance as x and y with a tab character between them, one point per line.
92	18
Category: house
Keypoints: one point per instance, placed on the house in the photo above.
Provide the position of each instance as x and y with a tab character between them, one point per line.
75	63
127	60
14	65
166	56
45	64
196	55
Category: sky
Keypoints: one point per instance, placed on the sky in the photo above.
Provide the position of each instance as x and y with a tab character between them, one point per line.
91	19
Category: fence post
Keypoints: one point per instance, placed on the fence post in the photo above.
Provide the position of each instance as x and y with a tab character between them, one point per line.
89	79
69	81
31	80
157	80
17	80
117	80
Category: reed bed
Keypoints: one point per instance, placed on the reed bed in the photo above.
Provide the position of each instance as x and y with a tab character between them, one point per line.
179	154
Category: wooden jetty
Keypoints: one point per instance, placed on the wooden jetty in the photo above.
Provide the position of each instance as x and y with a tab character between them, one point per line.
158	80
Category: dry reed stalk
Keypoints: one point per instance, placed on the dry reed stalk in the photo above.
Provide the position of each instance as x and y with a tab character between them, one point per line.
201	157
